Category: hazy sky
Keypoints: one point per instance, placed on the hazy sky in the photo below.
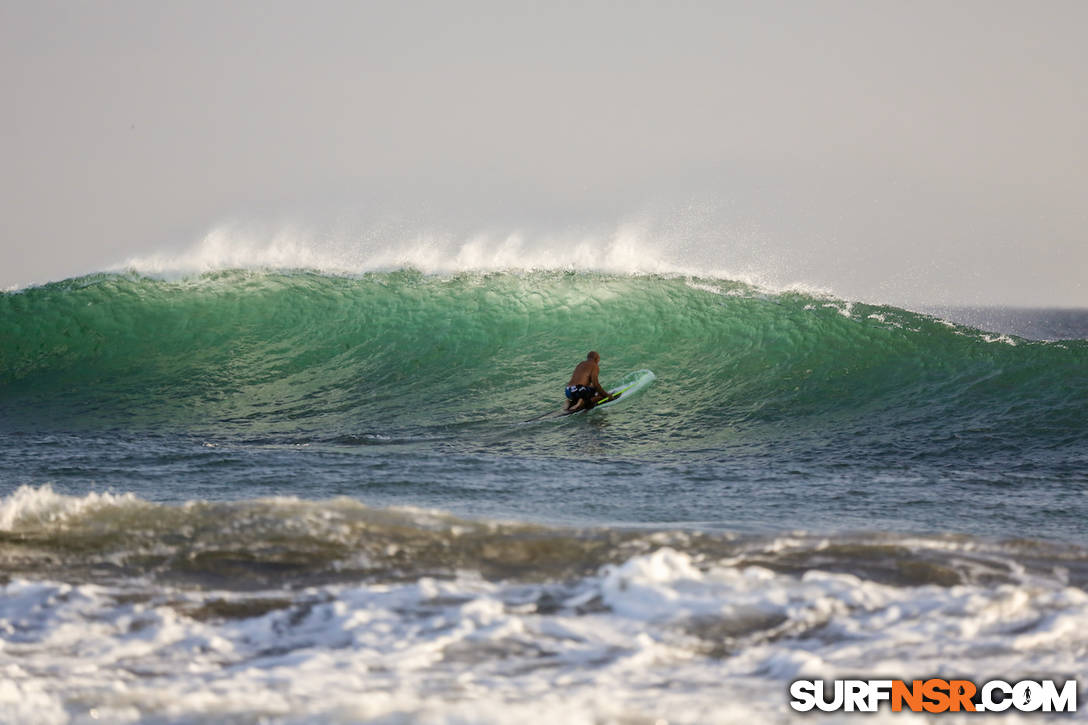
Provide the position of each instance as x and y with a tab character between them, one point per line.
908	152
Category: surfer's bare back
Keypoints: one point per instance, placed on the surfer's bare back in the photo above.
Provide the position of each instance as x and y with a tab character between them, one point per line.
584	389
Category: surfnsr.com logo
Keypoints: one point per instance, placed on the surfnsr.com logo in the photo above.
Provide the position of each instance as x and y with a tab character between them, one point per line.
933	695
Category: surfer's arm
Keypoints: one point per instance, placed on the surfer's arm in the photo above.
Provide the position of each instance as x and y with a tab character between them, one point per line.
597	384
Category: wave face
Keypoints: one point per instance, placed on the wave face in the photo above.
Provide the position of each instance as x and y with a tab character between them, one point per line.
306	356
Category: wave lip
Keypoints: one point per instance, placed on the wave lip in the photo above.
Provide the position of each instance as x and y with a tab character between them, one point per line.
29	507
631	248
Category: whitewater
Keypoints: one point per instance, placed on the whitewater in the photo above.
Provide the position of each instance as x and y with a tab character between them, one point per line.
278	481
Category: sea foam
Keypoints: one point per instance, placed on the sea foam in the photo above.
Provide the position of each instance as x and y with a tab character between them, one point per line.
629	248
608	647
42	505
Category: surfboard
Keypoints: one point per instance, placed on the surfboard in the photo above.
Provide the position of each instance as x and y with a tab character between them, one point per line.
630	384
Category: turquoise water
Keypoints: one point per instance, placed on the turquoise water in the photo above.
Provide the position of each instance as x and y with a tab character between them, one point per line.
316	385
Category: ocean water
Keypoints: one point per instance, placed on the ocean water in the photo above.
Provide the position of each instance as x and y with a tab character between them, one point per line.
293	496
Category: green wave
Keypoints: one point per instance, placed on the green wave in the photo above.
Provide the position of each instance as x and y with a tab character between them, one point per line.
309	356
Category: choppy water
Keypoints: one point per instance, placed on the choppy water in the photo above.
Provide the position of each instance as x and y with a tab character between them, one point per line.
197	478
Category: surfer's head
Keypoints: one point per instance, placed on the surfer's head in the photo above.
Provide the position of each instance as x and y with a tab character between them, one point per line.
594	356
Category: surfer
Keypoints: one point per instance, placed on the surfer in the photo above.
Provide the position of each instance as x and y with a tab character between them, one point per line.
584	390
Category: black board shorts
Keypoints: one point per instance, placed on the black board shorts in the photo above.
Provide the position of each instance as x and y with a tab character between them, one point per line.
576	392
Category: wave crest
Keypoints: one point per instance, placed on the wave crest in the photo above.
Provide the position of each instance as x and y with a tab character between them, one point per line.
631	248
33	507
